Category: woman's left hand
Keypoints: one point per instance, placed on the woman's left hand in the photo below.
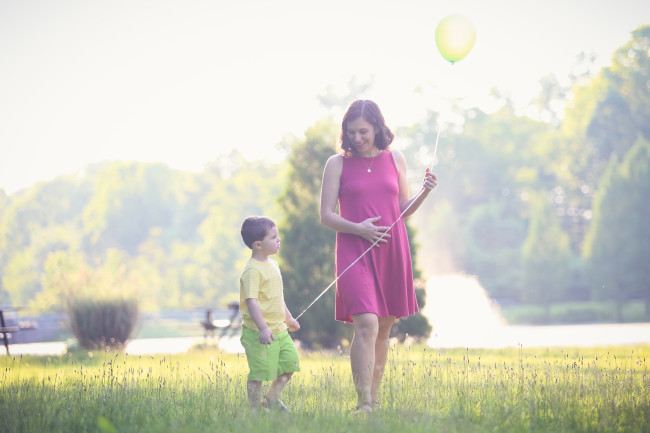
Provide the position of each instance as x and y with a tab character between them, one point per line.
430	180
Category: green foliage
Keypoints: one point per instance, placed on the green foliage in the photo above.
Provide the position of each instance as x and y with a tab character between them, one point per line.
21	278
612	128
307	256
171	226
493	238
618	244
129	200
631	74
415	326
546	256
241	189
102	323
35	223
101	303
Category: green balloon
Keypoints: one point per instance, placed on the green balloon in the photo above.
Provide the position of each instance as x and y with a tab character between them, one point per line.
455	36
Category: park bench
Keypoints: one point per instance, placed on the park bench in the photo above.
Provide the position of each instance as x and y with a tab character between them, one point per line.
210	325
9	324
7	328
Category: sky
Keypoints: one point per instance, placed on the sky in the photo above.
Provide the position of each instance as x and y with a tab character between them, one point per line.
183	82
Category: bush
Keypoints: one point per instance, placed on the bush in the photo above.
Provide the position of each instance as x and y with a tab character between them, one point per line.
416	325
102	323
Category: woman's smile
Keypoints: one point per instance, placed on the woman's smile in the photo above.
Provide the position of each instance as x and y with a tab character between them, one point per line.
362	136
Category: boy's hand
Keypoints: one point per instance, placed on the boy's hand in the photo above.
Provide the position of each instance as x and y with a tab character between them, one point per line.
266	336
293	324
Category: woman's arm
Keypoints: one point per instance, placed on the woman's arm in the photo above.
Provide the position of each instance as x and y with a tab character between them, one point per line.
329	198
430	182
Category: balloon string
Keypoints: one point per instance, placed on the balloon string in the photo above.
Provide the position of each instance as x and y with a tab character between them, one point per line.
375	243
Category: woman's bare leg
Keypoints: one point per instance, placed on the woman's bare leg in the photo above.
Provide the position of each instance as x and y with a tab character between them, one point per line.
381	353
362	355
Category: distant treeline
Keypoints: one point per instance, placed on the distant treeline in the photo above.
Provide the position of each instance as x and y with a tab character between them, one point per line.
542	211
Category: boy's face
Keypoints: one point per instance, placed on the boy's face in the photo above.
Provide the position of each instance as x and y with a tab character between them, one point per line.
271	242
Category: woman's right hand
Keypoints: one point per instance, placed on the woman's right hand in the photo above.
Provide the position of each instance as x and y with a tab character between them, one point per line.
372	233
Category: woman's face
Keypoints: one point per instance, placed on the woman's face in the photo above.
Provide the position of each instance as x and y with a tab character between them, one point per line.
361	135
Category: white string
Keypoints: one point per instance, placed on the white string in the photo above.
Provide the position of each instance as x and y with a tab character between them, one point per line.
375	243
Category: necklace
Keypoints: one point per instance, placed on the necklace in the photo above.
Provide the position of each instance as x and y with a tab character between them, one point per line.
372	161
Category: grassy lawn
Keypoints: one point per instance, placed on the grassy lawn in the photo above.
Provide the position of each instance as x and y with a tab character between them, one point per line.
602	389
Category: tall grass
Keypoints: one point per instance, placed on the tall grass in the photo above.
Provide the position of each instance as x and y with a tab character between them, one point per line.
425	390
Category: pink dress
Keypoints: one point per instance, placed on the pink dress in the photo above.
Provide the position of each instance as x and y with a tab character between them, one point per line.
382	281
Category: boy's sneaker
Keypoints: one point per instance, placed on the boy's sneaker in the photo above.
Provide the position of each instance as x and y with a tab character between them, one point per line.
268	404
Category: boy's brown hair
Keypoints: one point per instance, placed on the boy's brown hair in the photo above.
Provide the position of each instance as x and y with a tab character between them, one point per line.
255	229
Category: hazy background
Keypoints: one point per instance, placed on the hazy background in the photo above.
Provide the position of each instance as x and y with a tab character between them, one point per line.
183	82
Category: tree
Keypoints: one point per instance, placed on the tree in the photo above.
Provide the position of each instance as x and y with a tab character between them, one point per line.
307	257
493	239
238	189
546	256
129	199
630	74
612	128
551	99
618	243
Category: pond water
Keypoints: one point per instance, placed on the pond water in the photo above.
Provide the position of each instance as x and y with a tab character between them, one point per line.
463	315
460	311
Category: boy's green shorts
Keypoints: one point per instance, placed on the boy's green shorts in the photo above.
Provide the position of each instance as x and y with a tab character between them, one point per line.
266	362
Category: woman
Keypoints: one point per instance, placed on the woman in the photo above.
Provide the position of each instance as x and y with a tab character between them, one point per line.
368	182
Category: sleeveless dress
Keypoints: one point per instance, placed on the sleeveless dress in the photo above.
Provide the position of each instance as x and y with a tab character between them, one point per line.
382	281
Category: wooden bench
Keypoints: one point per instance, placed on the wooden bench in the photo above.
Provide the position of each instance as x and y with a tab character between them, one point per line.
7	330
210	325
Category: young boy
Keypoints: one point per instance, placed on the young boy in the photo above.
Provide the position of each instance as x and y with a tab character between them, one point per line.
270	351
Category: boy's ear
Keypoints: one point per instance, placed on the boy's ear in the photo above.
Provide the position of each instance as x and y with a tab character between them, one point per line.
257	244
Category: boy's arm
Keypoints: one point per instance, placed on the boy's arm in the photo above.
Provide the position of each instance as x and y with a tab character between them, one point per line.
292	323
266	336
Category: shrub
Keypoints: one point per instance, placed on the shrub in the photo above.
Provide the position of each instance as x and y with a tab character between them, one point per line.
102	323
416	325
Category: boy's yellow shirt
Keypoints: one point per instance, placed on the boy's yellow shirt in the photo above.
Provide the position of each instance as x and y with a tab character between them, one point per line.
263	281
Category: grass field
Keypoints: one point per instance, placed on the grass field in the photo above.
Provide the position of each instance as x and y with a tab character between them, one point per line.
605	389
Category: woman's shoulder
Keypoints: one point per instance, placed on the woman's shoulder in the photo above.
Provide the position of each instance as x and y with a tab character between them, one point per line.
335	161
337	158
398	156
395	153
